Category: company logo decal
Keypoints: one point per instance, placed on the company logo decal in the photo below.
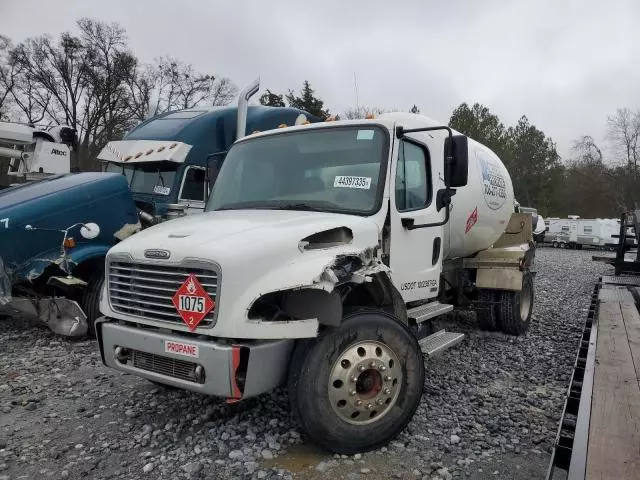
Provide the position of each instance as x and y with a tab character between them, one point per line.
161	254
494	184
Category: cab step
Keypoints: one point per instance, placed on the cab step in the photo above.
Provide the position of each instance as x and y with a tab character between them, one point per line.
427	311
439	342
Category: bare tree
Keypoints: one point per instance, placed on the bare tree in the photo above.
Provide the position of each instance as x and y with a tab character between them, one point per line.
106	113
586	150
7	74
363	112
59	70
624	135
223	91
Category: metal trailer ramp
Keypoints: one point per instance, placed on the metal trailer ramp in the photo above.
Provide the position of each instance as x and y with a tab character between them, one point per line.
599	432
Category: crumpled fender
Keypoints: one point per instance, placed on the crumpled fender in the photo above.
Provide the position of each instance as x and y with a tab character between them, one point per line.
312	270
36	266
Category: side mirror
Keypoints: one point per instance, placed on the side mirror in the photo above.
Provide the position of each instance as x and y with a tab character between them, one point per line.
90	231
456	170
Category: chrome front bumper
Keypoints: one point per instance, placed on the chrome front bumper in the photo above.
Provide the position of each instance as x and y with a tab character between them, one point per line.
233	371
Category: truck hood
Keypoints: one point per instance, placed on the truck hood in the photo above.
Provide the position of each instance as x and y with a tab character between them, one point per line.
232	233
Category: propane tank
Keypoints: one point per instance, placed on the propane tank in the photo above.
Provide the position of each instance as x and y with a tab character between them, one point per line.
480	211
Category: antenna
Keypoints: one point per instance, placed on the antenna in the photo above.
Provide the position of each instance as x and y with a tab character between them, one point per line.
355	84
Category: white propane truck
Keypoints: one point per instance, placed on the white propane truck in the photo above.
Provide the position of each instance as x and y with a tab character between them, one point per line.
323	253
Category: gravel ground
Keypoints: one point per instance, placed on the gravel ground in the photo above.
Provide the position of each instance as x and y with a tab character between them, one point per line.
490	408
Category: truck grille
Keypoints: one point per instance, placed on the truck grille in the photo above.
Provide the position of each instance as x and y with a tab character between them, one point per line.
146	290
169	367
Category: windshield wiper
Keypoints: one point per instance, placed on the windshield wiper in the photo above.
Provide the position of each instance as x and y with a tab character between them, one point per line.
160	178
318	207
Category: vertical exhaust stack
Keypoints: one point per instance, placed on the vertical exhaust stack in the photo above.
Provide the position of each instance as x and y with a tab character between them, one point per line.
243	106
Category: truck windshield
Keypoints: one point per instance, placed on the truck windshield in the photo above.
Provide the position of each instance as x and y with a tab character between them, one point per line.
151	177
335	169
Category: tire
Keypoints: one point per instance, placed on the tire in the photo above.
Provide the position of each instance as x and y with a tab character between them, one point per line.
485	311
514	308
555	244
388	393
91	301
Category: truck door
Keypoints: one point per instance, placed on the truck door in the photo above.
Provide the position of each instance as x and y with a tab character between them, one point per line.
415	253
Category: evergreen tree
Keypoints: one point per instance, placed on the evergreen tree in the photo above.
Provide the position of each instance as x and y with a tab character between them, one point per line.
415	109
271	99
307	101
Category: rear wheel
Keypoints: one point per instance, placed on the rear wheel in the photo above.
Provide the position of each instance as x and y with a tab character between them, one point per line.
355	387
514	308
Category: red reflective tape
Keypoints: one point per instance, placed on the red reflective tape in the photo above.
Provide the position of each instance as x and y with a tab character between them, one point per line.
235	364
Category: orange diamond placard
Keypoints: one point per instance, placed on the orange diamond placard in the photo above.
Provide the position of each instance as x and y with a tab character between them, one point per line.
192	302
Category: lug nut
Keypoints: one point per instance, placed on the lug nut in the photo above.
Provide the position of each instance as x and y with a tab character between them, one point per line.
380	402
369	406
372	364
387	391
382	368
353	379
387	378
358	402
352	393
361	368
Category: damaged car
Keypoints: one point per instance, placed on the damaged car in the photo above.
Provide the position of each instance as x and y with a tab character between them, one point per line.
54	235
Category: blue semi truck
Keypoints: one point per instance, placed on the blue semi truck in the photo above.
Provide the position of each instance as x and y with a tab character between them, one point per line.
55	233
172	160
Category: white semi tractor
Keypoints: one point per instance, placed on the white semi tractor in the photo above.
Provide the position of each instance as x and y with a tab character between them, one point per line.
323	254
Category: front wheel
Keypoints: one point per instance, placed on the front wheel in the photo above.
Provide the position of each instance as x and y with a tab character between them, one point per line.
91	301
355	387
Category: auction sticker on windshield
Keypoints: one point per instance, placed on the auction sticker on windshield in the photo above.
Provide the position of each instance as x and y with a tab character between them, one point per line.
159	189
348	181
192	302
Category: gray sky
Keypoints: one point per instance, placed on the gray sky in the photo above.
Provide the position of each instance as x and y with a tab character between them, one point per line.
566	64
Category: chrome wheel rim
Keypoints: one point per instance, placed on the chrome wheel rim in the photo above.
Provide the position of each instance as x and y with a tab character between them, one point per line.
365	382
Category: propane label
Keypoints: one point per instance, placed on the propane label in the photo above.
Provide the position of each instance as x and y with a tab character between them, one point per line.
494	185
181	348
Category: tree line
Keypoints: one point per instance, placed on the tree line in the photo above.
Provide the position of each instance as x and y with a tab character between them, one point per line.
587	183
92	81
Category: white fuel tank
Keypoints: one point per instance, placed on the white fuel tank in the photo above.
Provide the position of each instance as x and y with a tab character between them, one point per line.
480	211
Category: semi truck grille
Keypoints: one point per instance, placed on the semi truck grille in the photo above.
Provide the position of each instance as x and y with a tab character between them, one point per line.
146	290
169	367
